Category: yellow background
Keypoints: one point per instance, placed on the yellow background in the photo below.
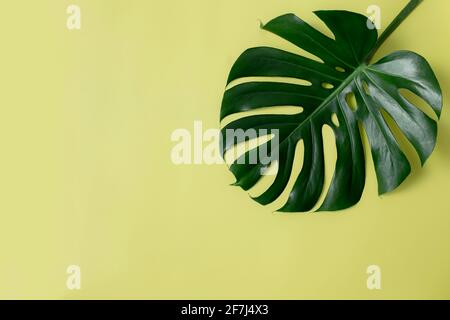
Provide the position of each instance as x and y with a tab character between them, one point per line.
86	177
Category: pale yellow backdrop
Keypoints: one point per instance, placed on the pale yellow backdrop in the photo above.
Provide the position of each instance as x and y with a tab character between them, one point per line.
86	176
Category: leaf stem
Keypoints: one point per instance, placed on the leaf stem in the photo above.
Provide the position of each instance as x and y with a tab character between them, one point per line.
407	10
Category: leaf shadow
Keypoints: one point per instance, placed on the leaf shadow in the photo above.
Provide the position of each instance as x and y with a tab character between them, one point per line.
442	148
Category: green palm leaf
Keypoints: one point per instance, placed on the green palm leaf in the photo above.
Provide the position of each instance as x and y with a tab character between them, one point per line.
344	73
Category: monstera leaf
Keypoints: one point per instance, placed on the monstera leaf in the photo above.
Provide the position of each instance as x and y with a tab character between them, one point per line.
345	73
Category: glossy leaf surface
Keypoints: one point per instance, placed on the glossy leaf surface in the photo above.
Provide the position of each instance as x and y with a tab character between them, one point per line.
344	75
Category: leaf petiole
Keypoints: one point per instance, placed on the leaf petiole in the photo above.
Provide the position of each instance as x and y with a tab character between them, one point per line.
407	10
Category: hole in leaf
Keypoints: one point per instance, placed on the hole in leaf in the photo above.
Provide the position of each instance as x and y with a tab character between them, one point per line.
296	169
300	82
366	88
249	145
266	180
371	185
335	120
330	157
286	110
419	103
405	145
340	69
351	101
322	27
327	85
